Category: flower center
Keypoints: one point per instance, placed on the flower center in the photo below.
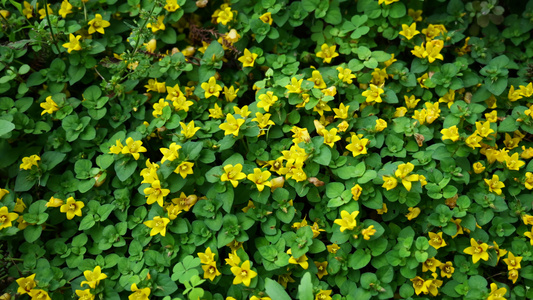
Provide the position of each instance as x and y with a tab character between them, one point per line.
3	219
72	207
244	273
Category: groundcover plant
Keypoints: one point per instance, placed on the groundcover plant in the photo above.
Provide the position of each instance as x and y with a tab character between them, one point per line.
272	149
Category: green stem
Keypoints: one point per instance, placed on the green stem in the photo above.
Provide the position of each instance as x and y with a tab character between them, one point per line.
50	26
142	27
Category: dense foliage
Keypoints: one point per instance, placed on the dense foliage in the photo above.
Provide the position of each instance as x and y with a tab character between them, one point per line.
172	149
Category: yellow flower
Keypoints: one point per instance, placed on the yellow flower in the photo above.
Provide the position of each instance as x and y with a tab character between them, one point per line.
368	232
232	125
433	285
343	126
206	257
433	49
42	12
413	213
322	268
433	31
157	26
435	240
243	112
211	88
188	130
54	202
73	44
302	260
263	120
260	178
347	220
511	142
389	182
473	140
181	103
133	147
451	133
495	185
333	248
415	14
295	86
210	271
3	192
266	18
98	24
155	193
529	234
513	275
341	112
185	202
139	294
317	79
158	225
478	167
233	174
431	264
300	135
85	294
409	31
224	16
356	191
72	208
330	137
419	51
381	125
27	10
26	284
513	163
448	98
403	173
65	9
496	293
420	285
483	129
345	75
513	262
171	6
93	277
19	206
383	210
324	294
478	251
243	274
526	91
327	53
170	153
216	112
28	162
38	294
158	107
267	100
357	146
248	58
446	269
387	2
230	94
374	94
184	169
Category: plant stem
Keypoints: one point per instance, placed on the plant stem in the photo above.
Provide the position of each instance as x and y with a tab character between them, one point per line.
50	26
142	27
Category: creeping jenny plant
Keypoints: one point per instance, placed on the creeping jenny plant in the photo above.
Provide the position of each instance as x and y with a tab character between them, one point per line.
274	149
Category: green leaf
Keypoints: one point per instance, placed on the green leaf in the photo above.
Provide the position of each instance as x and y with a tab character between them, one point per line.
305	289
275	291
310	5
32	233
397	10
6	127
334	189
125	168
359	259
